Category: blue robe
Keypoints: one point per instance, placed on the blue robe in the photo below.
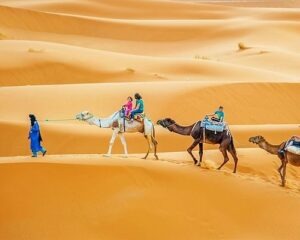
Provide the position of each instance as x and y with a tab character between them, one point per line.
35	139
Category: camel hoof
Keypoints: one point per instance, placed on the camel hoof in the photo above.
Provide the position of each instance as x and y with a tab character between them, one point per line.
107	155
156	157
125	156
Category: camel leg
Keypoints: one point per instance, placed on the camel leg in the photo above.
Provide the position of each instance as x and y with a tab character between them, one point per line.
223	148
155	147
200	153
280	169
284	172
124	144
190	149
235	158
111	143
149	146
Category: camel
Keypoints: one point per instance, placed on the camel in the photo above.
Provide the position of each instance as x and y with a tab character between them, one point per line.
119	126
285	157
196	131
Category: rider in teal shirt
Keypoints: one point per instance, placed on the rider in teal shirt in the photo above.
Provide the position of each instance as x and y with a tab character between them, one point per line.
139	106
219	115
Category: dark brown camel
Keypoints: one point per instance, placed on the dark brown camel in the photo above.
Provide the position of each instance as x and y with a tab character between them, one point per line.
196	131
285	157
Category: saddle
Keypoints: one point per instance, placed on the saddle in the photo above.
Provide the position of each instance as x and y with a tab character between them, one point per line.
293	146
138	117
293	149
213	125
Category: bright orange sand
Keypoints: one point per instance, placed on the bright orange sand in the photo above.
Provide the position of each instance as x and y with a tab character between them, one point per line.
58	58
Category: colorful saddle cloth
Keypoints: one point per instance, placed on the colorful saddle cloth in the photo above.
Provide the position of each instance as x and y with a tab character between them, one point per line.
139	117
212	125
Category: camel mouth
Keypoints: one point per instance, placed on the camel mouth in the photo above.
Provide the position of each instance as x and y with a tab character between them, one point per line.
253	140
165	123
77	117
161	123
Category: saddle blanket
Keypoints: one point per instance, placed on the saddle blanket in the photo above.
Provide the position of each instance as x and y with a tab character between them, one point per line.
138	117
213	126
293	149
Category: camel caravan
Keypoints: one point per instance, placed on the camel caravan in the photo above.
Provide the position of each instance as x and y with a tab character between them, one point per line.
211	130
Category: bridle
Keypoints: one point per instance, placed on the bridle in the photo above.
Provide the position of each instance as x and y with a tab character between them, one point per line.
164	125
91	116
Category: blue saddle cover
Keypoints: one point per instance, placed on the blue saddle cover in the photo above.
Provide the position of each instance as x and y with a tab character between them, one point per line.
296	143
213	126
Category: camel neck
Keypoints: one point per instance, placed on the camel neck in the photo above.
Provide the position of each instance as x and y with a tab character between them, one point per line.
273	149
93	121
103	122
182	130
100	122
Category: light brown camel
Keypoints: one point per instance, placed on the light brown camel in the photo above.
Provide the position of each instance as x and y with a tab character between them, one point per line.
284	156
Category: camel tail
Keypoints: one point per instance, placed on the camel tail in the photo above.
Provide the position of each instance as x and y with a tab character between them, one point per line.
231	146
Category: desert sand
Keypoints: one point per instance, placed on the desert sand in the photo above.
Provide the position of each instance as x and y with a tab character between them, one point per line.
186	58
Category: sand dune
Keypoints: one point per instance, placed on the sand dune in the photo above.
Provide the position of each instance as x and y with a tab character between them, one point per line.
141	200
259	103
187	37
32	62
186	58
253	3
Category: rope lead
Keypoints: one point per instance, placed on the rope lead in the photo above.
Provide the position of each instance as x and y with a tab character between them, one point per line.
57	120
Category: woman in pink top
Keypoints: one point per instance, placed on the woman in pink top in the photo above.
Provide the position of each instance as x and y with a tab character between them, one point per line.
128	106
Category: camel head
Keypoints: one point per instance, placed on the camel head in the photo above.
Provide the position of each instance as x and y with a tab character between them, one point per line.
167	122
85	115
256	139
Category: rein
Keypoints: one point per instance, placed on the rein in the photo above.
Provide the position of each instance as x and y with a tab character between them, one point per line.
88	118
59	120
170	126
194	127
